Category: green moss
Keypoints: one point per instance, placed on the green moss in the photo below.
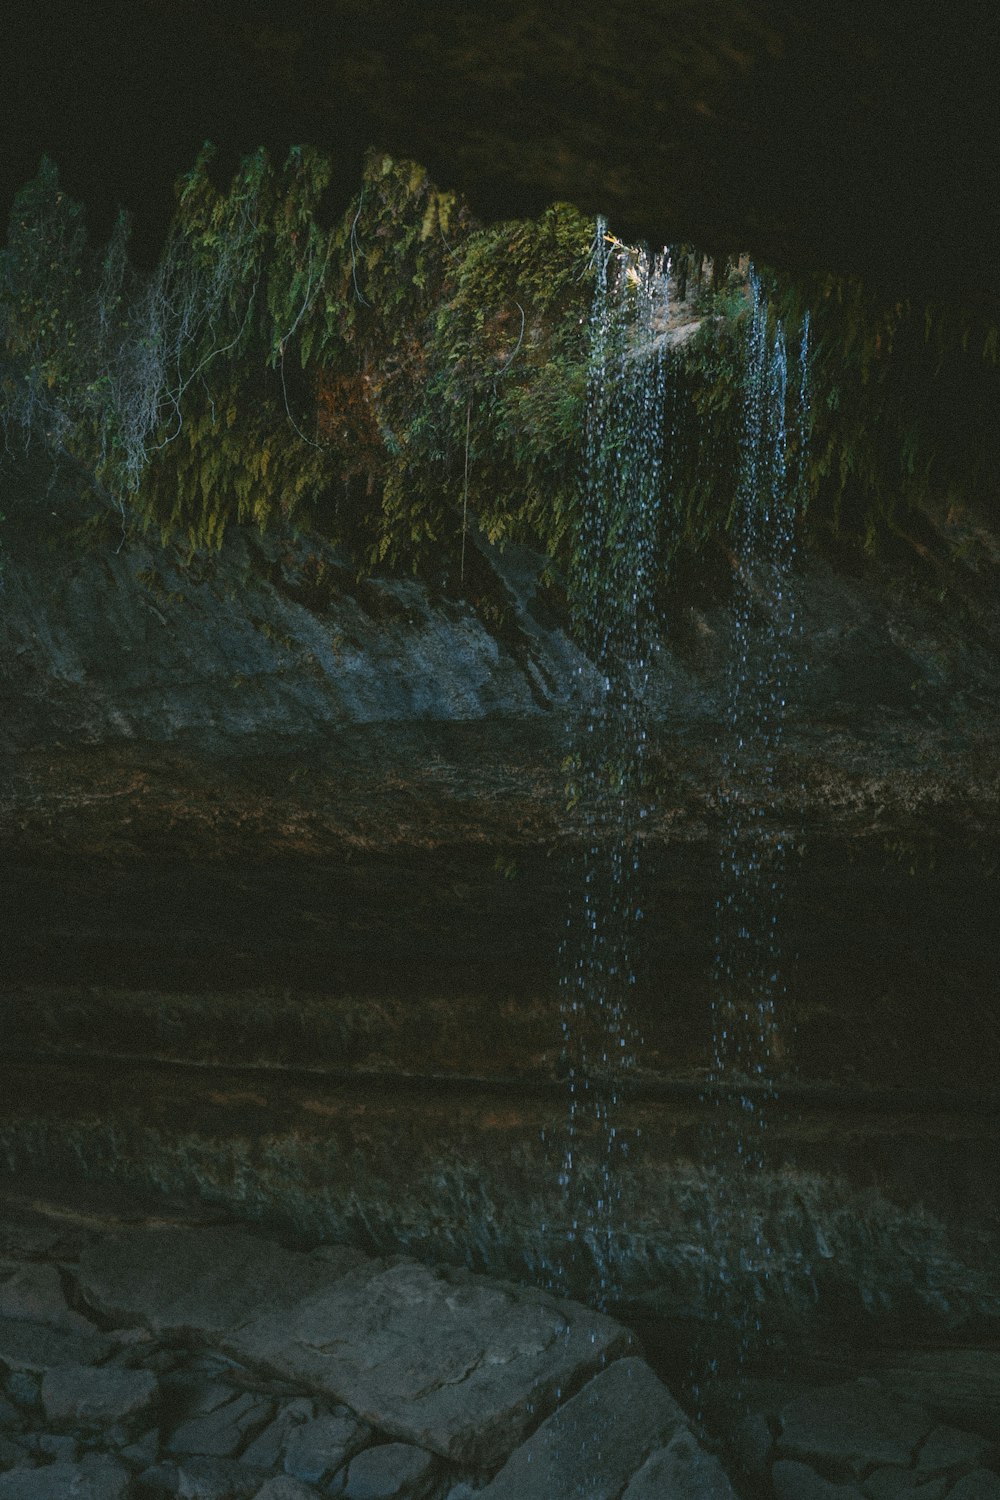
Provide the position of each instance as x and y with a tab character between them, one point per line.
384	378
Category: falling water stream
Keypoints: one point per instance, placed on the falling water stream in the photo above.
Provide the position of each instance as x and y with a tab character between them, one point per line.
613	603
747	981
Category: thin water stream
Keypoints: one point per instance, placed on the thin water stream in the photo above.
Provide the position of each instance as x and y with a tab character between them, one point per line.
613	606
613	598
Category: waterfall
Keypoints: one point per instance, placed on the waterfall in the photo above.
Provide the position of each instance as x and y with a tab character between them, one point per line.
747	982
612	597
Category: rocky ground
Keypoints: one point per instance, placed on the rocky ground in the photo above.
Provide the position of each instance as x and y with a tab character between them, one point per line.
146	1351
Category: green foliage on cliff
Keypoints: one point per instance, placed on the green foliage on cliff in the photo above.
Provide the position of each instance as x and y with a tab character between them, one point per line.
905	442
378	377
387	373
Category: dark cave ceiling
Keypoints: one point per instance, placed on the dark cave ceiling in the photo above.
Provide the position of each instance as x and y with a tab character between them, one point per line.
846	136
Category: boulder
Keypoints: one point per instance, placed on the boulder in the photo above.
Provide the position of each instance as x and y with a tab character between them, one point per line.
203	1479
960	1386
284	1487
596	1442
10	1417
451	1362
949	1448
223	1431
96	1477
36	1347
60	1447
392	1471
267	1448
180	1279
795	1481
33	1292
981	1484
315	1450
892	1483
79	1396
12	1455
682	1470
851	1427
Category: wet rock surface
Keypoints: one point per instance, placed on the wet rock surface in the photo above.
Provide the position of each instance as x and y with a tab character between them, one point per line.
232	1367
544	1397
285	872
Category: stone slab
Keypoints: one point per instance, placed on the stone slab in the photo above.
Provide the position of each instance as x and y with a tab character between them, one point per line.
225	1430
451	1362
203	1479
80	1396
960	1386
96	1477
797	1481
37	1347
392	1471
284	1487
267	1448
981	1484
316	1449
33	1292
892	1483
591	1447
950	1448
852	1427
683	1471
176	1279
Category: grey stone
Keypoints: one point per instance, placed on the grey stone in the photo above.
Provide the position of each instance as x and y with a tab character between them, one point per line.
795	1481
317	1449
144	1450
752	1444
981	1484
949	1448
682	1470
903	1484
340	1258
267	1448
392	1471
58	1446
130	1338
450	1362
75	1395
284	1487
853	1427
24	1388
37	1347
11	1454
33	1293
10	1417
198	1395
594	1444
96	1477
179	1279
223	1431
200	1478
462	1491
958	1385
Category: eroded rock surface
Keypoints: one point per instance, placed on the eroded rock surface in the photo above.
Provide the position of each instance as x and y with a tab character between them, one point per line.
207	1280
459	1387
451	1361
81	1396
852	1427
682	1470
597	1440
